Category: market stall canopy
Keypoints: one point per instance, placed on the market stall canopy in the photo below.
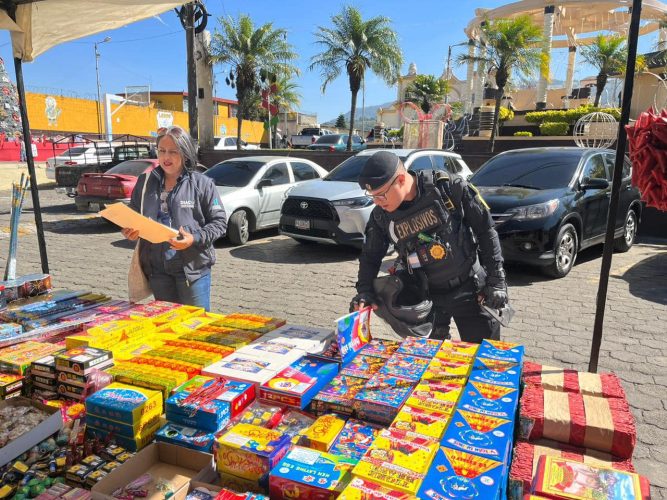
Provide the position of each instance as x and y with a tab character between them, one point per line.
41	25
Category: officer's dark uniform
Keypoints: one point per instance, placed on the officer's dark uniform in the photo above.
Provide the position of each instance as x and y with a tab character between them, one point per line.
444	232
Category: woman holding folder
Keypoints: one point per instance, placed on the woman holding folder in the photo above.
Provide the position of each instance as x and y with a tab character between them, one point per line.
173	194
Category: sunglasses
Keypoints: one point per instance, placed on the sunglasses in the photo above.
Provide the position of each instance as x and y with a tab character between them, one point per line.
383	195
173	130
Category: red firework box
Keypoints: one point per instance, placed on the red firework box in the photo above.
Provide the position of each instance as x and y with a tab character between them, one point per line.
397	459
338	396
489	399
606	385
382	397
502	351
322	434
364	366
458	474
405	366
154	308
435	396
362	489
425	422
483	435
381	348
418	346
496	372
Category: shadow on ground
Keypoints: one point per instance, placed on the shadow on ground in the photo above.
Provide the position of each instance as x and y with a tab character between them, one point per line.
288	251
647	279
96	225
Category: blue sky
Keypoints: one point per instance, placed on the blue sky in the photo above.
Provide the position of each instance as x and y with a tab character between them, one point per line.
152	52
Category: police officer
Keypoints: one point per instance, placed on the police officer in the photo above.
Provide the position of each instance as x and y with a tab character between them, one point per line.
441	227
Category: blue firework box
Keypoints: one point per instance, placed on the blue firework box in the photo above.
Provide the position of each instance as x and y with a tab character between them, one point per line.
458	474
496	372
489	399
483	435
419	346
502	351
121	429
189	437
210	416
382	397
405	366
126	404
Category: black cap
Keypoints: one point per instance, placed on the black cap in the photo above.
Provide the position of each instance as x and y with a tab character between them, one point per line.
378	170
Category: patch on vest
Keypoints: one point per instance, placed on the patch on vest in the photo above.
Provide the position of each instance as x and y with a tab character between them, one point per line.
411	226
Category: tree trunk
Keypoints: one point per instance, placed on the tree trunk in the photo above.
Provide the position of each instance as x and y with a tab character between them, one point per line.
354	108
496	114
239	124
601	82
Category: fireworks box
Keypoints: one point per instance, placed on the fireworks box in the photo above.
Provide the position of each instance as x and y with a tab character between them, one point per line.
82	380
440	397
134	443
501	351
353	332
496	372
559	478
193	384
17	358
297	384
382	397
458	474
354	440
249	451
125	403
304	474
362	489
425	422
458	348
381	348
252	322
455	371
189	437
9	384
397	459
277	353
211	415
418	346
483	435
10	330
404	366
122	429
81	361
179	313
488	399
310	339
244	368
338	396
44	367
364	366
322	433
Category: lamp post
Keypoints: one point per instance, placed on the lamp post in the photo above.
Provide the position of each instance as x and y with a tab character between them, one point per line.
97	75
449	65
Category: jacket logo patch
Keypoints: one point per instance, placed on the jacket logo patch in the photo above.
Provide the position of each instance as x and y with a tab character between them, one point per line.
414	224
187	204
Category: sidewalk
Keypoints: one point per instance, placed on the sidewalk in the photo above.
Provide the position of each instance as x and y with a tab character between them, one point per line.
11	172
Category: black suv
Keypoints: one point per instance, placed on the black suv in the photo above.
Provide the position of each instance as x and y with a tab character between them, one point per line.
549	203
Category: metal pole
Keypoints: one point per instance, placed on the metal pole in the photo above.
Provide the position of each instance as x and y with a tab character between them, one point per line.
449	62
97	76
621	140
268	108
363	108
192	75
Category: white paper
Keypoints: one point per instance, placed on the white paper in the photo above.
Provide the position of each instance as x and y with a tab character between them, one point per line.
125	217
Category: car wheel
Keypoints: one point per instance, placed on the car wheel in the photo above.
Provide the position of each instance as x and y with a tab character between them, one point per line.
625	242
238	229
565	252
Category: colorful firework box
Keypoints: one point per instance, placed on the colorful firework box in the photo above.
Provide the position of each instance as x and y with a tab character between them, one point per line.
44	367
297	384
244	368
496	372
447	369
17	358
425	422
134	431
276	352
404	366
483	435
193	384
131	444
125	403
488	399
81	361
322	433
354	440
10	383
458	474
418	346
10	330
188	437
310	339
338	396
381	348
199	346
364	366
559	478
353	332
459	348
211	415
178	313
362	489
249	451
502	351
382	397
440	397
253	322
304	474
397	459
150	377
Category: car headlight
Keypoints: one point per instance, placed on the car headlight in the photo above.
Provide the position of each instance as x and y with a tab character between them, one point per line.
360	202
537	211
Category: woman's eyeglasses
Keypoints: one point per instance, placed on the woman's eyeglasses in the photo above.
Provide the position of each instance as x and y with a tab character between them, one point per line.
383	195
173	130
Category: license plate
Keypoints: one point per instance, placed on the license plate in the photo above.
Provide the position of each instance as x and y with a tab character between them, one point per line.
303	224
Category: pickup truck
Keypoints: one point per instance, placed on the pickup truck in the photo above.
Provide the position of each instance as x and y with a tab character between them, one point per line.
308	136
67	176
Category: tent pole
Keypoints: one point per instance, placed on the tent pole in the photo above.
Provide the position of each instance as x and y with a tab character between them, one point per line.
31	165
621	141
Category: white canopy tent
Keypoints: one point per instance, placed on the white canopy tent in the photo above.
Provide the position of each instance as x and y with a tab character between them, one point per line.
38	25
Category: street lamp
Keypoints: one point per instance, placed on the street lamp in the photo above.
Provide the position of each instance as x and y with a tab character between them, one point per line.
449	64
97	75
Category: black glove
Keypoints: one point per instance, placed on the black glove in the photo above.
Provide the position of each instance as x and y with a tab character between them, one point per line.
495	291
366	298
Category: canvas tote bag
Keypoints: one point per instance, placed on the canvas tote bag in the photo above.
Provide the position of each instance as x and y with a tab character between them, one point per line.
138	287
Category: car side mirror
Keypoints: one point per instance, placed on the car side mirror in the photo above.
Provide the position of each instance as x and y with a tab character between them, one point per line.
264	183
588	183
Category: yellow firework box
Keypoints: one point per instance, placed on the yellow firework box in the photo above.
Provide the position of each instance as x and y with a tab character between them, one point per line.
126	404
425	422
397	459
361	489
114	335
181	313
453	371
461	348
440	397
322	434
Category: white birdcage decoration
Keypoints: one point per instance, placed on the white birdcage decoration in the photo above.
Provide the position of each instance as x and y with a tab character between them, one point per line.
595	130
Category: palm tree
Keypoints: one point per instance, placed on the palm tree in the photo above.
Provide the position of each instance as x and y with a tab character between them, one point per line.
286	97
249	51
426	91
608	54
662	25
511	44
357	45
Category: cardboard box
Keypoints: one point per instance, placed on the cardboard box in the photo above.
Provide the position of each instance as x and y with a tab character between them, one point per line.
382	397
36	435
483	435
10	383
364	366
496	372
125	403
189	437
488	399
451	370
45	366
354	440
468	349
418	346
175	464
338	396
425	422
244	368
404	366
502	351
133	443
322	434
381	348
363	489
82	360
440	397
310	339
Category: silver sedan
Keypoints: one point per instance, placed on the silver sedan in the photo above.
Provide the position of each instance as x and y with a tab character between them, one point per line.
253	188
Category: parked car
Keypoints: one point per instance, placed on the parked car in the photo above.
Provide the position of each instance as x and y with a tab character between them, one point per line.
253	188
79	155
336	210
550	203
337	142
308	136
96	190
229	142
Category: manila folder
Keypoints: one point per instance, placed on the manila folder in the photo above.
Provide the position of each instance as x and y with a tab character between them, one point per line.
124	216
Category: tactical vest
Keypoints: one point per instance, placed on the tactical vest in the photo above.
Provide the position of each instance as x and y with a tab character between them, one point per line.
432	232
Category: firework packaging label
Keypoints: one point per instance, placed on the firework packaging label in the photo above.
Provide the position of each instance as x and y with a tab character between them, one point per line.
502	351
10	383
435	396
18	358
491	400
278	353
404	366
482	435
244	368
362	489
305	474
425	422
448	370
189	437
135	431
418	346
322	433
381	348
364	366
354	440
125	403
496	372
382	397
453	347
338	396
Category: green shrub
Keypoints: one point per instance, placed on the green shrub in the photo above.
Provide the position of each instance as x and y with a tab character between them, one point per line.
554	128
568	116
523	133
505	114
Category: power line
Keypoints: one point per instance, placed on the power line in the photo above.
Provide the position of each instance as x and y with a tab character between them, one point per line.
135	39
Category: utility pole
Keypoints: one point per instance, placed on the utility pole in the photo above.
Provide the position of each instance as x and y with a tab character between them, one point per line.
448	71
192	74
97	76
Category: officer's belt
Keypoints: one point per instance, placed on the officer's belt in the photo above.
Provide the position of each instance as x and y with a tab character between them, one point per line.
459	280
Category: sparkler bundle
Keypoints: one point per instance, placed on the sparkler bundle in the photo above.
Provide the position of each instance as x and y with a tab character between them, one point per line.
18	194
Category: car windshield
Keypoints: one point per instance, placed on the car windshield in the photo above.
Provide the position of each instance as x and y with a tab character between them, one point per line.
74	151
237	173
134	167
310	131
349	170
328	139
534	170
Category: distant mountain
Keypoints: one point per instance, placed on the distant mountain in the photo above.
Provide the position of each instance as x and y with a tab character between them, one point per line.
369	114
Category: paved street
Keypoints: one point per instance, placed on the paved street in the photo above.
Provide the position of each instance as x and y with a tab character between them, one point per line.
313	284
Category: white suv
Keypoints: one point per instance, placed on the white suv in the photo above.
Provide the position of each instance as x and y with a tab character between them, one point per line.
336	210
